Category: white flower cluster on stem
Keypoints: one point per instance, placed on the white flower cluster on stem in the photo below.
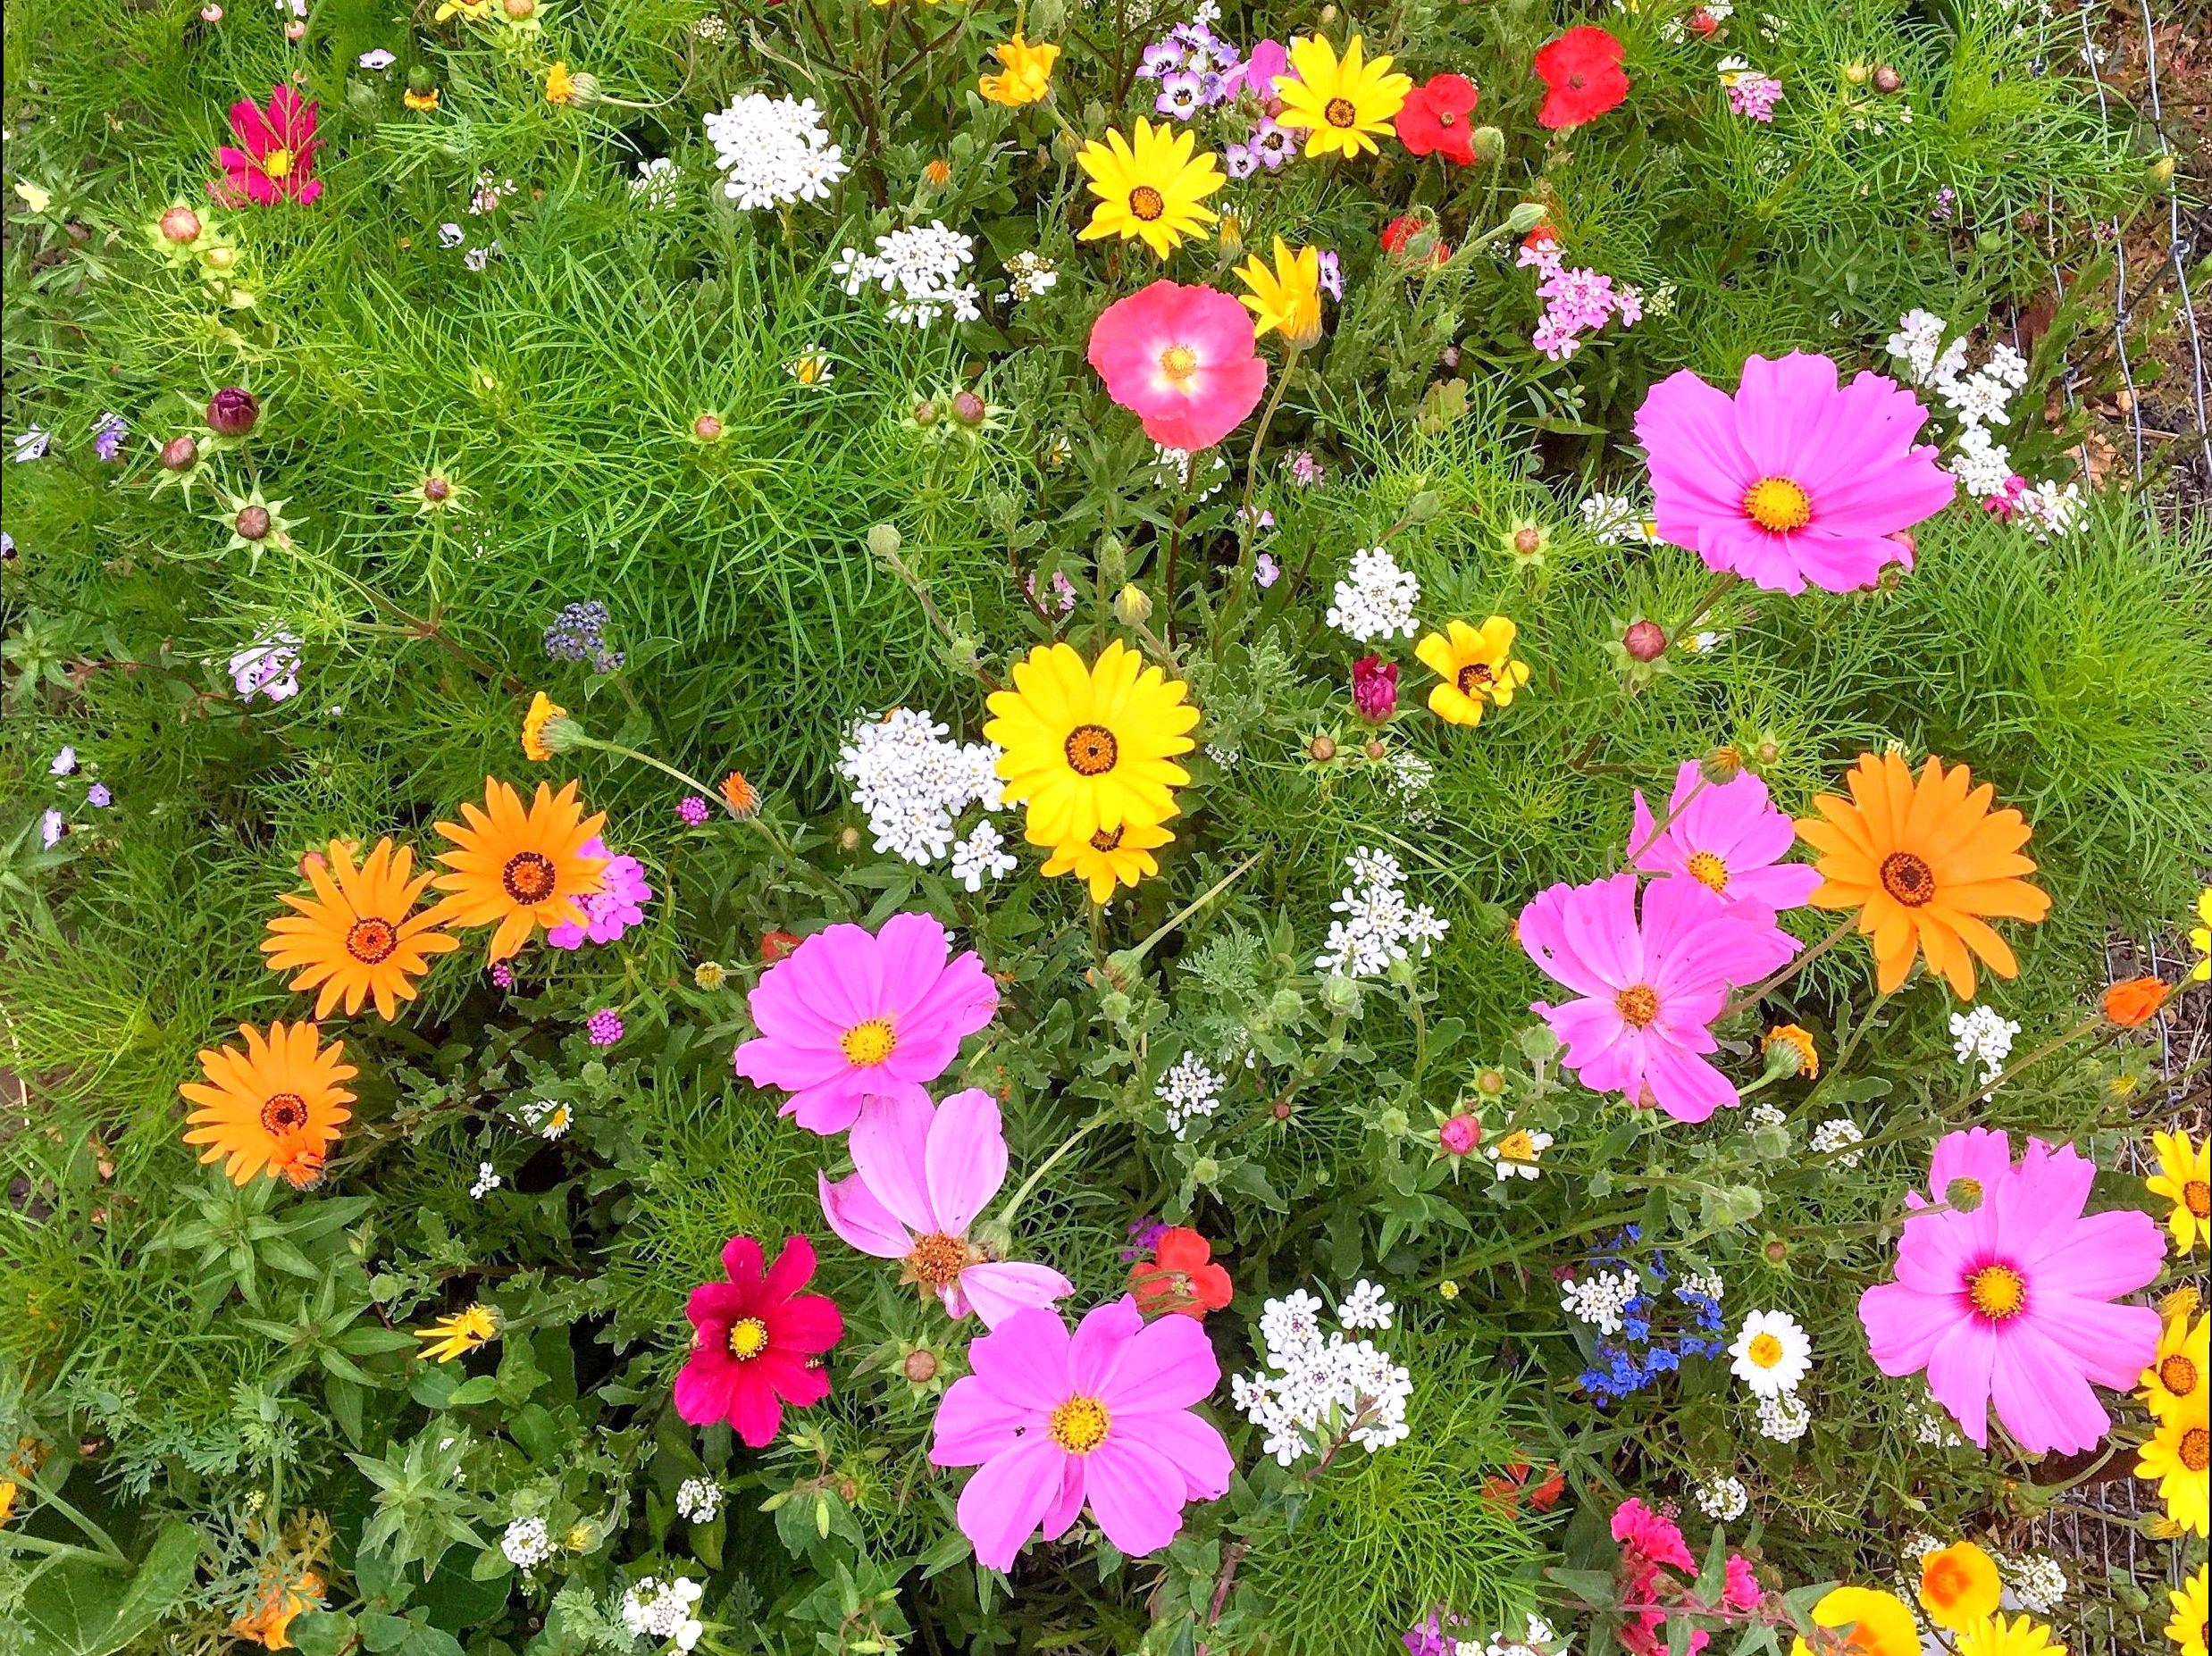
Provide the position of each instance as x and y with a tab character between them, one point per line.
774	151
921	269
1981	399
1379	925
912	782
1322	1391
1376	598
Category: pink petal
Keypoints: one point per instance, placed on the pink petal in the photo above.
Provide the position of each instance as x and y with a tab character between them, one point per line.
862	1222
1193	1443
2102	1257
911	948
794	1269
2110	1344
1168	1365
1784	407
756	1412
1959	1373
2041	1397
890	1145
997	1288
1137	1493
1024	1361
974	1424
1102	1339
964	1158
743	1262
804	1323
1068	1505
1007	1496
1686	1086
1903	1326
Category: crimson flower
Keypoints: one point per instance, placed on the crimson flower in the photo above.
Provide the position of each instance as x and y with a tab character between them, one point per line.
758	1341
1374	688
1397	237
1434	119
1180	1276
1581	72
274	158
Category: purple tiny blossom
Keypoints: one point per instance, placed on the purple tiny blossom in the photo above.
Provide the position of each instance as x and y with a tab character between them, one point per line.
1239	162
578	634
613	909
1754	95
1266	571
107	435
451	235
1181	94
1945	199
1274	145
98	798
33	445
268	667
64	761
604	1027
1304	470
376	61
503	974
51	829
1332	277
693	810
1144	1232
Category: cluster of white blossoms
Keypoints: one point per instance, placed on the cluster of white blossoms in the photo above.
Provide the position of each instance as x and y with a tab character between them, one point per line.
1983	1035
526	1543
983	857
912	782
1722	1497
699	1500
1837	1134
1784	1417
1190	1091
1614	520
1029	273
2037	1580
1324	1388
1772	1354
772	151
1378	926
1932	1427
1600	1300
1981	399
1366	1307
1376	598
921	267
1539	1640
488	1180
655	183
657	1610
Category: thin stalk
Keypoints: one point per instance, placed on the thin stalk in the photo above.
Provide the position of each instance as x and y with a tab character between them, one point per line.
1195	904
1005	1214
1759	991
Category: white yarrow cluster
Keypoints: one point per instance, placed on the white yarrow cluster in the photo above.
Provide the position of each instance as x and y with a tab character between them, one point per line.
774	151
1721	1497
1378	926
1376	598
1190	1091
699	1500
921	267
1837	1134
1599	1299
1981	400
1932	1427
1324	1388
2037	1580
982	857
912	783
657	1610
526	1543
1984	1036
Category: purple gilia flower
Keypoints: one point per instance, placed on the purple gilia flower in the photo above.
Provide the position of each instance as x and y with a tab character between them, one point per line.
107	435
1239	162
268	667
98	798
1272	143
376	61
64	761
33	445
604	1027
1265	570
451	235
1181	94
50	830
1332	282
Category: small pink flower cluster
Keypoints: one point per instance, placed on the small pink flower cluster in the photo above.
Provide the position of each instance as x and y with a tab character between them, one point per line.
1577	301
1754	95
1651	1543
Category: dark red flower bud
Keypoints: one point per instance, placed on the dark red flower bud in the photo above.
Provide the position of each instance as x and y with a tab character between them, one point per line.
232	412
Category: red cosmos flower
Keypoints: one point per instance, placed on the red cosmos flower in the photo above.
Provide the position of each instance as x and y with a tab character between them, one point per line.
1582	72
277	160
758	1342
1434	119
1401	230
1179	1277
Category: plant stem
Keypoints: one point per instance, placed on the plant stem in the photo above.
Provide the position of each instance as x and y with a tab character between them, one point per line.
1195	904
1766	986
1005	1214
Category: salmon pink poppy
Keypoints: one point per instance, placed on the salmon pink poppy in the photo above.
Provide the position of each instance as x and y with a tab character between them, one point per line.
756	1342
1183	360
1582	78
1436	118
1181	1275
273	160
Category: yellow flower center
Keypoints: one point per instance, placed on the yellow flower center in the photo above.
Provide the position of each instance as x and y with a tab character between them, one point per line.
1107	840
1778	505
1341	112
1638	1004
1146	203
1708	870
870	1043
2178	1375
1090	750
2197	1196
1178	363
749	1337
285	1112
1765	1350
370	942
1908	879
277	163
1997	1292
1517	1146
527	877
1474	678
1078	1425
2196	1448
937	1259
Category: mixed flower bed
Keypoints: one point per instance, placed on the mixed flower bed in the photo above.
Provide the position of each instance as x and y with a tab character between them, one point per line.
914	827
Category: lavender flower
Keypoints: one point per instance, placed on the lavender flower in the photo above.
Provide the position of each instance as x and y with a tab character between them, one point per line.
604	1027
64	761
98	798
268	667
107	435
578	633
51	829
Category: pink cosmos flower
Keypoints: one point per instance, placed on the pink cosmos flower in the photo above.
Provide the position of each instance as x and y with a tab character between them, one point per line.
1792	480
756	1342
275	159
1182	360
2009	1305
848	1017
1104	1416
1728	837
1647	990
923	1173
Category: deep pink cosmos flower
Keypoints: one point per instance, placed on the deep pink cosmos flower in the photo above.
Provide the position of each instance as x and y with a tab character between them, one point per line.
1374	688
1103	1417
1729	838
1792	480
1647	989
758	1342
274	158
923	1172
1182	360
848	1017
2008	1306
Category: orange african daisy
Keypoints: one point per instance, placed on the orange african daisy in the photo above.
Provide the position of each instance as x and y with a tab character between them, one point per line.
275	1108
518	870
1924	863
357	935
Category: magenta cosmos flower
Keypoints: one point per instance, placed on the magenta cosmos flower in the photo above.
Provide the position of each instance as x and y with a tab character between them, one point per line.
1729	838
923	1172
1182	360
1646	989
1792	480
273	159
1103	1417
847	1016
756	1342
2008	1306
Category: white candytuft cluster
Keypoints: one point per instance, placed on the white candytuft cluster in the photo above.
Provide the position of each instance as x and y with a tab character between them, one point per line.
526	1543
1190	1091
1378	926
1600	1300
699	1500
921	268
662	1610
912	783
1722	1497
1324	1388
1376	598
774	151
1983	1035
1981	399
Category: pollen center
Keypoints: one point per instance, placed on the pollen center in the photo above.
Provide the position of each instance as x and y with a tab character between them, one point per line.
529	877
1638	1004
1908	879
1107	840
2178	1375
1708	870
1765	1350
870	1043
277	163
370	942
1146	203
937	1259
1342	111
1078	1425
749	1337
1474	678
1778	505
1178	363
285	1112
1092	750
2196	1450
2197	1196
1997	1292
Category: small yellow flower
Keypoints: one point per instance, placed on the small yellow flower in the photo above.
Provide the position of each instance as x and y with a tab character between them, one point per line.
1476	666
460	1333
1959	1586
1879	1624
544	711
560	86
2201	938
421	102
1994	1636
2175	1381
1111	856
1027	73
1153	190
1341	104
2184	1179
7	1500
475	11
2189	1601
1288	299
2178	1459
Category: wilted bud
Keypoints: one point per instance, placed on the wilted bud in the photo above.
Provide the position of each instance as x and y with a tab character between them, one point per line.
883	541
1132	608
1489	144
925	413
1340	993
1393	1121
1525	217
849	839
181	225
2162	169
1644	640
180	454
232	411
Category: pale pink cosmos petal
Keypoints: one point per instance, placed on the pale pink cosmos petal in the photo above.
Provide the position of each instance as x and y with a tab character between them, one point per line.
1900	1335
1137	1493
996	1289
1007	1496
974	1424
1195	1445
766	1061
890	1146
1067	1506
964	1158
1023	1359
1169	1365
2042	1397
1678	949
1101	1341
825	1109
1589	1028
1959	1372
2038	1206
2105	1255
911	953
861	1221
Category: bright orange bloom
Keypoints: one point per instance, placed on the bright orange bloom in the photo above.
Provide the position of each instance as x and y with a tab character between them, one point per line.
2134	1001
1924	863
269	1623
275	1108
357	935
740	795
518	870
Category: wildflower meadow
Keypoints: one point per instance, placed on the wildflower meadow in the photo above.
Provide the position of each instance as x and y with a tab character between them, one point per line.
1104	828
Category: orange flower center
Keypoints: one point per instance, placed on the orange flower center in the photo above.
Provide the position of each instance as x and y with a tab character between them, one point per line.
529	877
1474	678
1945	1580
749	1337
1178	363
937	1259
2178	1375
1517	1146
1765	1350
1778	505
1997	1292
2196	1448
1092	750
1342	111
2197	1196
277	163
1708	870
870	1043
1107	840
370	942
1146	203
1908	879
1638	1004
285	1112
1079	1425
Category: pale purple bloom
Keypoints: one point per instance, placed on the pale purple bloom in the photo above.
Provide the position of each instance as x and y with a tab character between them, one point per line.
1730	839
1304	470
613	909
1273	144
64	761
98	798
33	445
1265	570
1239	162
107	435
378	60
1332	278
1181	94
578	634
450	234
691	810
50	828
269	667
1754	95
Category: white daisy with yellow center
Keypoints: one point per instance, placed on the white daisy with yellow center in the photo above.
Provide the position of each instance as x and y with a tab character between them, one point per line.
1773	1353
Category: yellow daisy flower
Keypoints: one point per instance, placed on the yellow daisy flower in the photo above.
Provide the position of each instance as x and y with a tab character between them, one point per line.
2177	1459
1152	190
1476	664
1111	856
1341	103
2174	1383
2184	1179
1994	1636
459	1333
1879	1624
1288	299
1089	746
1026	73
2201	938
2189	1601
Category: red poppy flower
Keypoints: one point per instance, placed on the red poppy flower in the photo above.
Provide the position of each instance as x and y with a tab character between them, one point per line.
1434	119
775	945
1401	230
276	161
758	1342
1581	70
1179	1277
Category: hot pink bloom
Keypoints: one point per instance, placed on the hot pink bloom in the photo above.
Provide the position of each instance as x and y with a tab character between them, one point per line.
2009	1305
1182	360
758	1342
1741	1591
1650	1535
847	1016
1268	62
276	160
1647	989
1792	480
1729	838
1375	688
923	1173
1104	1416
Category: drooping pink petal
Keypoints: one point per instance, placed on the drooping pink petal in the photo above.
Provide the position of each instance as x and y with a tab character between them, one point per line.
890	1146
1193	1443
1007	1497
860	1221
966	1159
997	1288
1060	1517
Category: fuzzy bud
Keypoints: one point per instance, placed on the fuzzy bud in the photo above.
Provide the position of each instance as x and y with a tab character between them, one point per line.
849	839
926	414
1115	1007
1206	1170
232	412
1525	217
1644	640
1132	608
519	10
1287	1006
1489	144
964	650
1424	507
583	91
883	541
1393	1121
437	491
1340	993
1113	560
709	976
180	454
181	225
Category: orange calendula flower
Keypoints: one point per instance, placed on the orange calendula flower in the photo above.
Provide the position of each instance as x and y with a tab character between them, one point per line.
275	1108
2134	1001
560	85
1028	72
268	1621
357	934
738	794
518	870
544	711
1925	862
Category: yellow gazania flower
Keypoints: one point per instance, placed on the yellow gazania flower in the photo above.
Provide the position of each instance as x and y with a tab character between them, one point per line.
1286	298
544	711
421	102
1027	73
1111	856
357	935
1476	664
459	1333
1881	1623
2184	1179
1152	190
1341	103
2176	1459
1090	747
1959	1586
2189	1601
2174	1383
2201	938
1994	1636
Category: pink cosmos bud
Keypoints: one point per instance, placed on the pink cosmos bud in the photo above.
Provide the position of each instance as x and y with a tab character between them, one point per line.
232	411
181	225
1644	640
1459	1135
968	408
1375	688
180	454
